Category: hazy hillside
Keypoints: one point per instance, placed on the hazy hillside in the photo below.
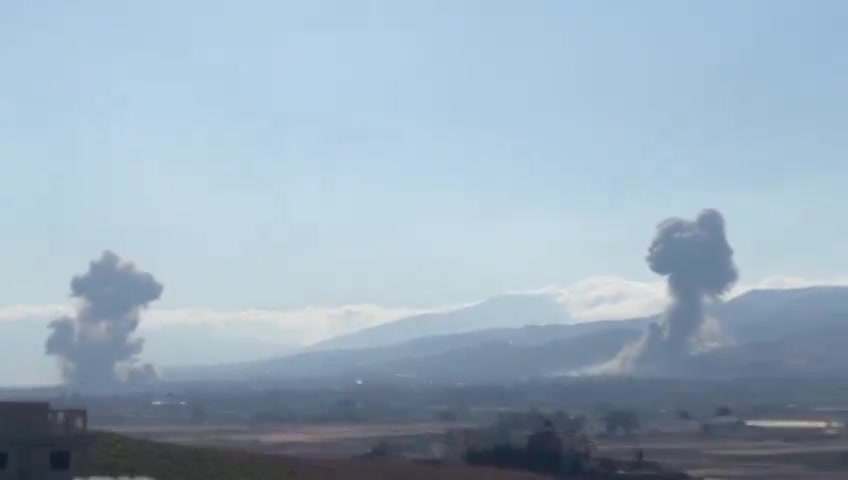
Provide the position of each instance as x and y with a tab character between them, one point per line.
393	358
502	311
742	316
488	360
782	332
796	330
501	361
817	351
765	314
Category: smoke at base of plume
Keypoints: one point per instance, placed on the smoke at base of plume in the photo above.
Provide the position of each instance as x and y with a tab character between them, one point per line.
95	347
697	261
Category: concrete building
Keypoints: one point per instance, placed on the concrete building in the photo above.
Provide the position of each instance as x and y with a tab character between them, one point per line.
37	443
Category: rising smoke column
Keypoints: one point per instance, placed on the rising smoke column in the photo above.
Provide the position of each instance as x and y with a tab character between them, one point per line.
95	347
697	261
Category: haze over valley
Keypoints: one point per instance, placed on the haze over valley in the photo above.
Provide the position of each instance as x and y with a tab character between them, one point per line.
335	239
238	336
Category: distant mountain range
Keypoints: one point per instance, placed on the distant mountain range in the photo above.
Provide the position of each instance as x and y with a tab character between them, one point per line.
770	331
427	356
504	311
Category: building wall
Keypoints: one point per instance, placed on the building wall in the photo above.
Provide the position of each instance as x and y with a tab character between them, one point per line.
30	432
23	420
40	463
13	462
33	463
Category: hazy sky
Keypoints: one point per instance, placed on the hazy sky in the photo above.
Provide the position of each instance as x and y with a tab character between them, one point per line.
276	155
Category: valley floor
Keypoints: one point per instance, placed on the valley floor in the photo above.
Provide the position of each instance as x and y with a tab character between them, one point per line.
715	458
117	455
740	459
323	440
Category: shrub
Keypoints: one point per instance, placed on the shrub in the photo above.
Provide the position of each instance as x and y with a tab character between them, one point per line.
518	458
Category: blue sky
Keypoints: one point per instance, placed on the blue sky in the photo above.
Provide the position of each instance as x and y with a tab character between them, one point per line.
275	155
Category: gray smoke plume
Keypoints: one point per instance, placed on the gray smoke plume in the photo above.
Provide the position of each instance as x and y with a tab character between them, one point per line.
95	347
697	260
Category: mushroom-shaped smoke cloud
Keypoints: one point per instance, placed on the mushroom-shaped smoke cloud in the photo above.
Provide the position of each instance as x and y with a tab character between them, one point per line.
697	260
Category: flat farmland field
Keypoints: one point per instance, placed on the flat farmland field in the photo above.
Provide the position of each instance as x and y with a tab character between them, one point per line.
331	440
740	459
116	455
708	458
